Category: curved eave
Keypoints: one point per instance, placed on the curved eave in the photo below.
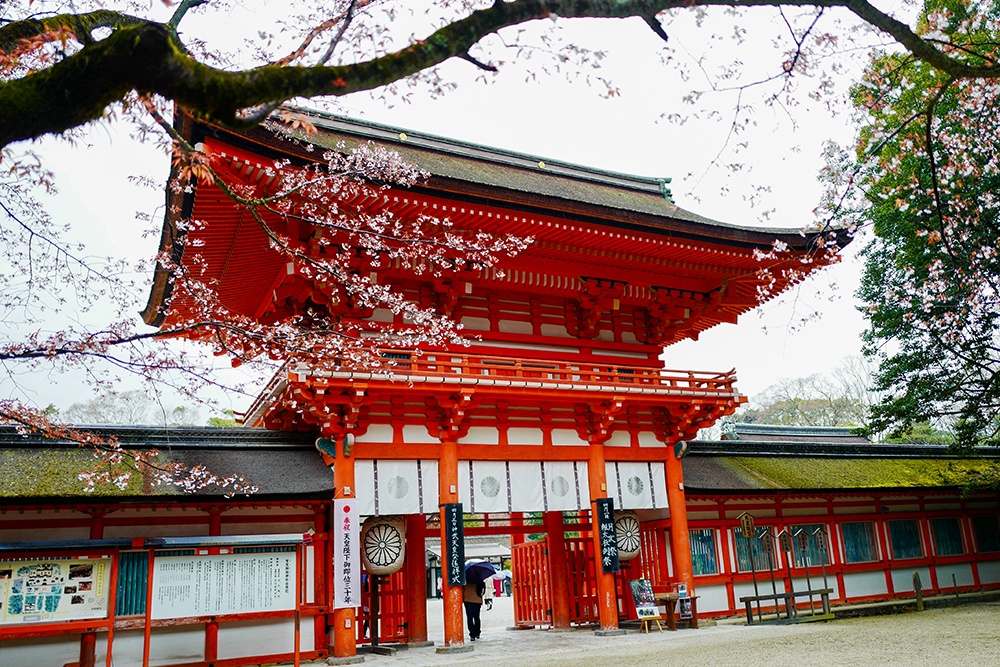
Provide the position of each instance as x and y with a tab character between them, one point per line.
628	203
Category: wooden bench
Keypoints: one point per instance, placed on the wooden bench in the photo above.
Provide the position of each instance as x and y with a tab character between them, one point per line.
791	612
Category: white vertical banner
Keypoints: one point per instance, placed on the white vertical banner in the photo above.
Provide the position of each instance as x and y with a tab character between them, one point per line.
346	554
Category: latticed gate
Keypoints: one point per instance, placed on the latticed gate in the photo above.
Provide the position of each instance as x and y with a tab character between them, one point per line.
391	611
582	580
532	587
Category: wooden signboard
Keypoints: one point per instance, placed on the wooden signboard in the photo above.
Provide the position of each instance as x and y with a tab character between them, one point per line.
642	596
454	533
606	532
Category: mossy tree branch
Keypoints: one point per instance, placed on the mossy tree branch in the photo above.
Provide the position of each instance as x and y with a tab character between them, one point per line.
147	57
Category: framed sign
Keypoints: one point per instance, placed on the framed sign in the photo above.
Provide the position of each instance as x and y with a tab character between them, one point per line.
642	596
607	537
454	536
223	584
46	590
747	527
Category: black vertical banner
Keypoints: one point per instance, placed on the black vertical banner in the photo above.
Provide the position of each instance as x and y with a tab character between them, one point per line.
454	536
606	534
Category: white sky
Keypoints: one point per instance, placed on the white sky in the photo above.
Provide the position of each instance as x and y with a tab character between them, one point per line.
557	118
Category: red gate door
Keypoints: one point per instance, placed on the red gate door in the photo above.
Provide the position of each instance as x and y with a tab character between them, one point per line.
391	613
582	580
531	586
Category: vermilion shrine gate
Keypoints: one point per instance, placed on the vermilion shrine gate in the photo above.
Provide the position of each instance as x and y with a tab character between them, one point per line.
561	399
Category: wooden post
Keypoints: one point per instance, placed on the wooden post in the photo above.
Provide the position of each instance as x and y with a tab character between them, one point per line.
211	641
919	590
416	578
319	575
607	596
454	629
344	621
558	570
680	540
88	649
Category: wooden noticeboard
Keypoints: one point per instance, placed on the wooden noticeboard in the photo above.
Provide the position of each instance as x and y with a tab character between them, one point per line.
607	536
454	547
642	597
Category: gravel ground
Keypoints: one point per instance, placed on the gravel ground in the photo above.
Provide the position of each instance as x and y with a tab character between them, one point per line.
963	636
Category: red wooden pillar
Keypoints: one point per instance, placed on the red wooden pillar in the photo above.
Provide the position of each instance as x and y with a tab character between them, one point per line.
97	523
88	649
212	627
344	645
319	559
416	578
607	596
211	641
448	480
680	540
558	570
88	640
516	538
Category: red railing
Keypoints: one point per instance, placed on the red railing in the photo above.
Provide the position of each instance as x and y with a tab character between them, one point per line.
485	370
577	373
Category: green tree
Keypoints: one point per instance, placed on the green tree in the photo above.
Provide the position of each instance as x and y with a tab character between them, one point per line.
930	171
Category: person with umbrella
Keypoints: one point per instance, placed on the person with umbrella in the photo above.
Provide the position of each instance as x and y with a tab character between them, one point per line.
476	574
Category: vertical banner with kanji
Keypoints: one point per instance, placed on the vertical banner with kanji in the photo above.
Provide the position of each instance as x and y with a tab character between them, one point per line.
346	556
606	534
454	537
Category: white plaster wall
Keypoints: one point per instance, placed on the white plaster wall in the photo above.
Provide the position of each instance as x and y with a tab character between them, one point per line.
265	528
41	534
477	323
989	571
962	572
523	436
38	651
902	579
515	327
861	584
485	435
711	597
649	439
802	511
801	584
264	637
417	435
180	530
563	436
620	439
166	646
378	433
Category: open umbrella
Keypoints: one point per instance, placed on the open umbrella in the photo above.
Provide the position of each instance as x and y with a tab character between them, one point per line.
478	571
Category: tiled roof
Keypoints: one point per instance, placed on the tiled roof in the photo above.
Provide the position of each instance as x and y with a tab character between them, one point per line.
280	463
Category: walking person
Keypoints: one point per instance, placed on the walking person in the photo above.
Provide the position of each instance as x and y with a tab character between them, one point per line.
472	594
488	594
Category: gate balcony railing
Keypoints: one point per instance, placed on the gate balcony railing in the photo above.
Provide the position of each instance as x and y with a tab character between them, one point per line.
486	370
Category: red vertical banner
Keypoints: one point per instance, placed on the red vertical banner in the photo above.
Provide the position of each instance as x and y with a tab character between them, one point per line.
346	554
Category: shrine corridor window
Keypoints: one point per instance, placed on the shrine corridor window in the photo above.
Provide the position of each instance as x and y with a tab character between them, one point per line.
859	542
813	554
904	537
947	537
744	547
987	532
703	551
